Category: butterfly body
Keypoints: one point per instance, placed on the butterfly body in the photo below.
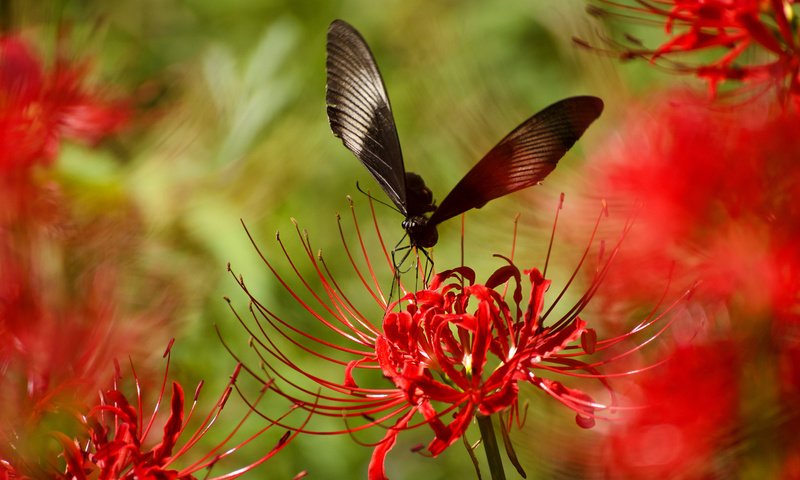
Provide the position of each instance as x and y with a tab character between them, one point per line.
421	232
360	114
419	202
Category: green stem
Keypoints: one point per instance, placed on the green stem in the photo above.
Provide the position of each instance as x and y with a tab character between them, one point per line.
490	446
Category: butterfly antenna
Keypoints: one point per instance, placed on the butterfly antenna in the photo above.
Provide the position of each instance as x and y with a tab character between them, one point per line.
358	187
553	234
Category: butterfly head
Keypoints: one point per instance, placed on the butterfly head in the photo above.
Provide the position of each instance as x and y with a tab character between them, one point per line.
421	232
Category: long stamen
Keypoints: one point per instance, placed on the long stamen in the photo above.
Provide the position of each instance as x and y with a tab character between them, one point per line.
552	235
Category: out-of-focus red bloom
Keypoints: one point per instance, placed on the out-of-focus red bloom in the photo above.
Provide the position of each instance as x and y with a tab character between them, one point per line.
684	415
63	318
452	351
757	39
714	194
38	108
54	350
120	441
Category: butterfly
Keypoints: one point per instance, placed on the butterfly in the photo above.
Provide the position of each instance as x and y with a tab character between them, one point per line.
360	115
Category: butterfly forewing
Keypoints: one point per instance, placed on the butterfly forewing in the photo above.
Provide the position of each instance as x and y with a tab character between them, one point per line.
359	111
524	157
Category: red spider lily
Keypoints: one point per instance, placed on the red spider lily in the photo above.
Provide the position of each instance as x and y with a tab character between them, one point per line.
716	192
454	351
60	309
53	348
38	108
767	28
669	432
119	438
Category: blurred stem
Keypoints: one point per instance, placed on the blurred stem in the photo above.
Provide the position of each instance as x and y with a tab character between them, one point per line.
490	446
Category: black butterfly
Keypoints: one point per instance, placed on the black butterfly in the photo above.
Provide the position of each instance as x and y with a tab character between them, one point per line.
360	114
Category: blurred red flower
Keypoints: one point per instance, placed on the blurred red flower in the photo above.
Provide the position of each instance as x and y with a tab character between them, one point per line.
61	306
713	190
681	417
39	107
757	39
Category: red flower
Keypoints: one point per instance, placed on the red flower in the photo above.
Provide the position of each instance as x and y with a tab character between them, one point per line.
117	440
683	414
461	346
453	350
38	108
731	27
714	196
714	191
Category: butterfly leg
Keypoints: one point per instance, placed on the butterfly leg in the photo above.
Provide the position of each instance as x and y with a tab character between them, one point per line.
428	268
397	265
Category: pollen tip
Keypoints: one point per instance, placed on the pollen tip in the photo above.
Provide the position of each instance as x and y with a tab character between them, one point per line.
580	42
294	221
605	207
226	298
229	266
169	347
278	235
561	200
595	11
225	397
198	389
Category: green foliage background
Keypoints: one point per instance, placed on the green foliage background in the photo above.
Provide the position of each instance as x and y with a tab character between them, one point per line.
232	126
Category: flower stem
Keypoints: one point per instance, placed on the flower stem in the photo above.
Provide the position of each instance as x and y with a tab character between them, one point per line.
490	446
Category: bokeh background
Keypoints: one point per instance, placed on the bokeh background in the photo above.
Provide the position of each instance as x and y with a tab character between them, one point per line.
228	125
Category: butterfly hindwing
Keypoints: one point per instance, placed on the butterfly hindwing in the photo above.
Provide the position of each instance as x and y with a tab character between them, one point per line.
524	157
359	111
